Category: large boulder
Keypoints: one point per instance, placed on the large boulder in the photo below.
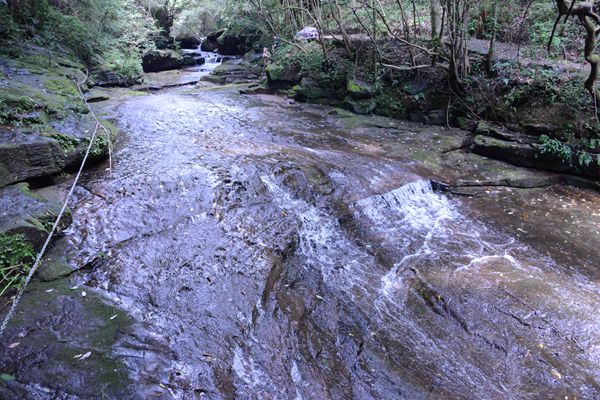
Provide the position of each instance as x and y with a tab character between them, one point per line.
282	77
162	41
310	90
232	45
164	60
188	41
527	153
211	42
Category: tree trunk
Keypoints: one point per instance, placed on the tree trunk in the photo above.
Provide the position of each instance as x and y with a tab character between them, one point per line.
436	19
491	59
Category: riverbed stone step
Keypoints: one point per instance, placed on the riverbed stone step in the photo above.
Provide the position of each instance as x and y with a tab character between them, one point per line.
524	151
234	72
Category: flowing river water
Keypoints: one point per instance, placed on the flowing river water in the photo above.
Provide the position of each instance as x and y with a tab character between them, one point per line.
249	247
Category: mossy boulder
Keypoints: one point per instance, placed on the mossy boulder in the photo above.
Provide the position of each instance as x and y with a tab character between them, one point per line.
364	106
282	76
164	60
44	122
188	41
358	90
231	43
310	90
211	42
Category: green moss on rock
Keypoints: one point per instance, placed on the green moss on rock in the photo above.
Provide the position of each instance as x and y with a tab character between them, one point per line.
359	90
62	86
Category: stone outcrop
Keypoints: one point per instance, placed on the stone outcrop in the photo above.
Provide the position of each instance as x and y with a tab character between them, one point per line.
232	45
525	151
28	214
188	41
211	42
108	78
283	77
234	71
164	60
227	43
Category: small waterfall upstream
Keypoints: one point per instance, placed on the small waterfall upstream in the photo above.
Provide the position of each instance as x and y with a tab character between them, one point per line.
207	61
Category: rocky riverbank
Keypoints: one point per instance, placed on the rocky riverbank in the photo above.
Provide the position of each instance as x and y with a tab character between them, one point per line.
534	111
45	128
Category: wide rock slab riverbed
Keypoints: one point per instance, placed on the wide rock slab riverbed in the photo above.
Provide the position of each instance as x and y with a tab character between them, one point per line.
249	247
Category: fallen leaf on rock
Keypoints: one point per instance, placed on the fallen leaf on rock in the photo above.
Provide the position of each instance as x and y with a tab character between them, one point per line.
13	345
556	374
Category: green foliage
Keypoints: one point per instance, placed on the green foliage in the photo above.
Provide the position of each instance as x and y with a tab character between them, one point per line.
12	106
107	33
585	159
328	73
557	148
127	63
391	103
68	143
16	257
200	20
569	151
73	33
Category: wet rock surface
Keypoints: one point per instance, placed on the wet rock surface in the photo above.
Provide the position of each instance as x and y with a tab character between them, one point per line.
252	247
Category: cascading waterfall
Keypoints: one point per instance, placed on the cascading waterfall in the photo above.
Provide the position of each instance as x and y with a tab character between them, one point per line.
211	58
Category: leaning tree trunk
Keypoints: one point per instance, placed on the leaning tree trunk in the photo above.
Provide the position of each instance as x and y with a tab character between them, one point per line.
584	10
591	41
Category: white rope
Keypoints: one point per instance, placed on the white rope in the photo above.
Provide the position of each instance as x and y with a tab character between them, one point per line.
38	259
